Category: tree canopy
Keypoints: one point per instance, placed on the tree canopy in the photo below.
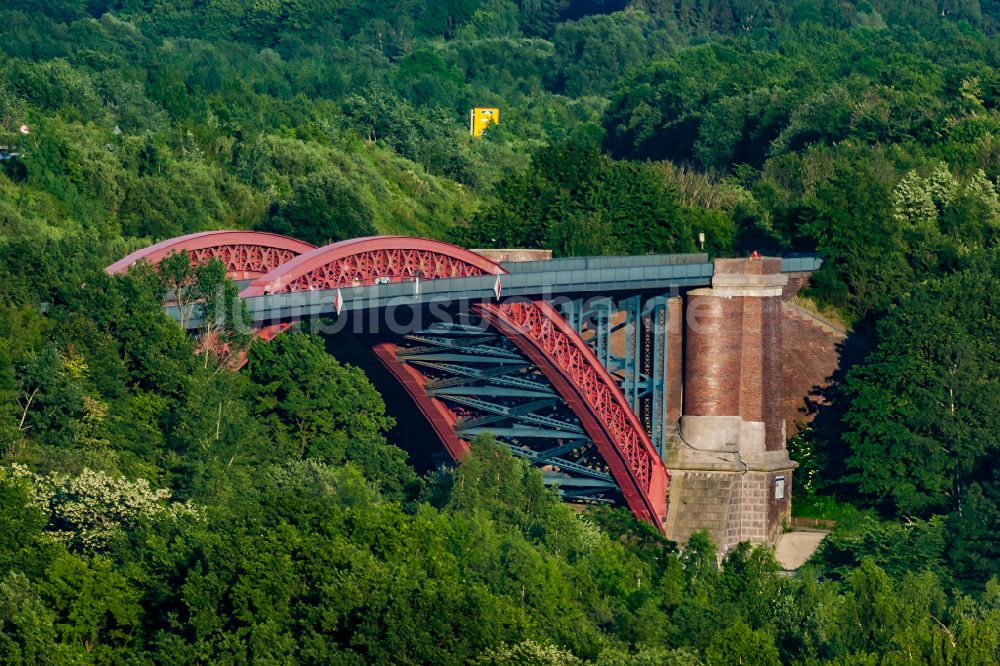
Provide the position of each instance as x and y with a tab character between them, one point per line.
157	506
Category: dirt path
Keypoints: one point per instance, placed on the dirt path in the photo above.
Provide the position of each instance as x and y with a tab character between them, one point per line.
794	548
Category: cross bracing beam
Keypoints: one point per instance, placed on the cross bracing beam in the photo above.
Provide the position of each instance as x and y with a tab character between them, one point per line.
573	482
457	342
510	399
521	412
491	391
463	425
438	328
595	496
463	374
446	357
562	464
471	344
520	432
559	450
498	375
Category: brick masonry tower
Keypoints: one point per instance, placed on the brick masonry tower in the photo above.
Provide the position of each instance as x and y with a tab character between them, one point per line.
730	470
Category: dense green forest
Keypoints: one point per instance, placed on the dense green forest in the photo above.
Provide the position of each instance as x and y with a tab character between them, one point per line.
158	507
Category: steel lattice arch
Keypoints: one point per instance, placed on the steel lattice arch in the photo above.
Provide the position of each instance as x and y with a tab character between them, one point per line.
513	368
365	260
245	254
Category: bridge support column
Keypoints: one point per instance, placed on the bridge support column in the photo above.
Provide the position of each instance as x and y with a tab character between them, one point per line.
731	473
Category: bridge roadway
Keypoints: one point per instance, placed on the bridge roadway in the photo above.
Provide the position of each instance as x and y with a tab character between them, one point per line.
592	276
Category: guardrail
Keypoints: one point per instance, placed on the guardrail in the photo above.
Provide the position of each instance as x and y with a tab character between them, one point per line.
804	263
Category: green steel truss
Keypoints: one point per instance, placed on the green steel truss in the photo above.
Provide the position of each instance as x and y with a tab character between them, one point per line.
629	337
493	389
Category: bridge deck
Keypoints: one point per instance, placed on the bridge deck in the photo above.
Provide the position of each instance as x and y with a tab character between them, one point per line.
571	275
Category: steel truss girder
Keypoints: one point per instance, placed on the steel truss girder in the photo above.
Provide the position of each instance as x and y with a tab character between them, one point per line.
641	371
505	403
245	254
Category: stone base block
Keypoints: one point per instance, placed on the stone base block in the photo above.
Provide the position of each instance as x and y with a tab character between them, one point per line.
733	506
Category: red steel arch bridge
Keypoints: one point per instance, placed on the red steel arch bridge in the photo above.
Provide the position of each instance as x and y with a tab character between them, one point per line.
576	365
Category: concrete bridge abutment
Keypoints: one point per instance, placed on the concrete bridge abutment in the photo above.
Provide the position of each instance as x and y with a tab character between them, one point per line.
730	470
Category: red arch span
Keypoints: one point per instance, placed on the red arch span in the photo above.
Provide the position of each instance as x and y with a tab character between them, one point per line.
534	326
363	260
246	254
542	334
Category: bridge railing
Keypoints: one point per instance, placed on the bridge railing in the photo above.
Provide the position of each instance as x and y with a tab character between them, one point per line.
605	262
801	263
545	284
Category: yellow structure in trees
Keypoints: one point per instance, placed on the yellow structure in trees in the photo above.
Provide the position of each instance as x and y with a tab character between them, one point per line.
482	117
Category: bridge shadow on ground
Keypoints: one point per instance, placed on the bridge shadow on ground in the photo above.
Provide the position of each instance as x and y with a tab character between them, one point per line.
412	432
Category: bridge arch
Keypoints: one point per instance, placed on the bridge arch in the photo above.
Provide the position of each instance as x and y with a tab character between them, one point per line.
364	260
533	326
541	333
246	254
